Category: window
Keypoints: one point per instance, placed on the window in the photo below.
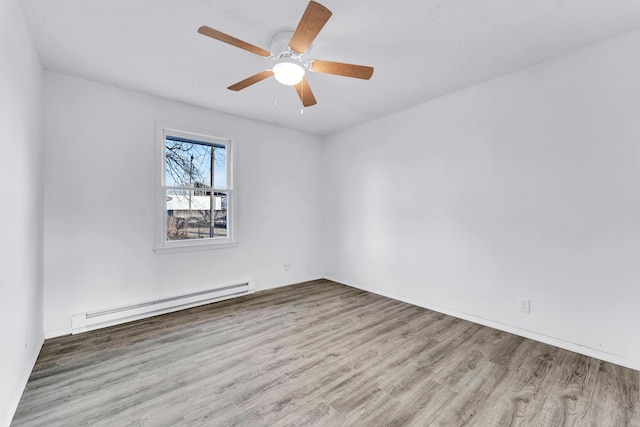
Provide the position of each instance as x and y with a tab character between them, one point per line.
195	191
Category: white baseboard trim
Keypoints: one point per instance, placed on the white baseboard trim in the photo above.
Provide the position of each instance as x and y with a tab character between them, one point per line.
57	333
557	342
23	383
295	281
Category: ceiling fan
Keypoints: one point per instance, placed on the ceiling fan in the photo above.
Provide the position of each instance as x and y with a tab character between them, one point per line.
287	51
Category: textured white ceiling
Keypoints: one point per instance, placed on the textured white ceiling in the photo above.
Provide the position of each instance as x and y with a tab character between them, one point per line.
421	49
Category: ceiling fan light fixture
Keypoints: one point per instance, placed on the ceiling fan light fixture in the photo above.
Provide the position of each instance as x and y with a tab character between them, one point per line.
288	71
288	48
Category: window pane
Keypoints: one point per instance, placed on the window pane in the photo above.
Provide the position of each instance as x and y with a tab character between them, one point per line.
189	214
188	163
220	167
220	203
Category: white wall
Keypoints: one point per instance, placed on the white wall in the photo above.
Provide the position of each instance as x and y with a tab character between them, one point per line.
21	211
99	202
524	186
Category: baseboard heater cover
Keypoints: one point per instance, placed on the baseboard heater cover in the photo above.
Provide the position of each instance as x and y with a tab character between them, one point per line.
113	316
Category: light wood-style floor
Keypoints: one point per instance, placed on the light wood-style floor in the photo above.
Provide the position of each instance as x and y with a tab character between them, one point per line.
319	353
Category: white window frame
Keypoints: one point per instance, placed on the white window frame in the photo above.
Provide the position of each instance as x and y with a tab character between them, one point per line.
162	245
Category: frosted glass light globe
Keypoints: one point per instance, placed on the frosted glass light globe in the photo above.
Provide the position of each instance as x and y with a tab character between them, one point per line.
288	72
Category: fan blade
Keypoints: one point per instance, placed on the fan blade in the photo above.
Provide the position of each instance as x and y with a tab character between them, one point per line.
215	34
340	69
305	94
309	26
251	80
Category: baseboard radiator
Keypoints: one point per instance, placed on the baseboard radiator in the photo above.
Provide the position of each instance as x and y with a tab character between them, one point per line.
102	318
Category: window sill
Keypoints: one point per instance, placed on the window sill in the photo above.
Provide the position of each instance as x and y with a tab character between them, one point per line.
192	247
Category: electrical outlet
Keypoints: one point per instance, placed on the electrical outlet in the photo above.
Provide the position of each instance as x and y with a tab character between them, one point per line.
525	305
307	266
287	266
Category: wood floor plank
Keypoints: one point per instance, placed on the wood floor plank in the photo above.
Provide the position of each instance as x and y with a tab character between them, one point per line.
319	354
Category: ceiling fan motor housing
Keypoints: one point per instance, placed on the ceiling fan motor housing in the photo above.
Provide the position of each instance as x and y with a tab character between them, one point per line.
288	68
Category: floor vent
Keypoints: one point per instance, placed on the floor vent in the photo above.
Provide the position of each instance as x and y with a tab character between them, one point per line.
102	318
